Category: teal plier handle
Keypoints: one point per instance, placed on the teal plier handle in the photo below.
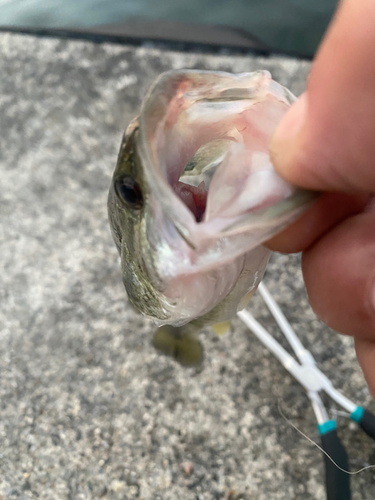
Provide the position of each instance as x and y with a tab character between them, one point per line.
365	419
337	481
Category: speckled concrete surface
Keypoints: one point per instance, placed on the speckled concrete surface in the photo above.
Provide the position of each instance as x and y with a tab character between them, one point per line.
87	409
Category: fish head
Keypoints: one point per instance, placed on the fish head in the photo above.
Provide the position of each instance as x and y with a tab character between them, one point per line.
129	210
194	193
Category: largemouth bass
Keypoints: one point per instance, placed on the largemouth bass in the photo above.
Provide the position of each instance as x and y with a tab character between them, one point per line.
194	195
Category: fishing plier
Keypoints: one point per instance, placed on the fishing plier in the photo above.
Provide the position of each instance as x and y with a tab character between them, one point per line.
313	380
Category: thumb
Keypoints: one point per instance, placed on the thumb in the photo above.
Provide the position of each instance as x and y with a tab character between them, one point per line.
326	141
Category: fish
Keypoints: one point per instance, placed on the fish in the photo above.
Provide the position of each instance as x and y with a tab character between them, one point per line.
194	195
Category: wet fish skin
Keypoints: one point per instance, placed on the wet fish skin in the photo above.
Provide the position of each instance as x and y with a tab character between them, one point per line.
127	223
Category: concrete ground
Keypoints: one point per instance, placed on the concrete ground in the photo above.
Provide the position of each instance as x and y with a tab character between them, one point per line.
88	410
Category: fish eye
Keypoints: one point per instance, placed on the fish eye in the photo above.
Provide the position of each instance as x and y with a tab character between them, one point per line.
129	191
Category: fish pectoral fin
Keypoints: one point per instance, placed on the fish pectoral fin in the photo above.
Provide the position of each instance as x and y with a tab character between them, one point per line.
221	328
180	343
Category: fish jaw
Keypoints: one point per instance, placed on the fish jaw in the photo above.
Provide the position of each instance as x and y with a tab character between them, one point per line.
216	296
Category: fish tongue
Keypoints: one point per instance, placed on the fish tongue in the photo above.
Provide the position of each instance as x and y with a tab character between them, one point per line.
194	197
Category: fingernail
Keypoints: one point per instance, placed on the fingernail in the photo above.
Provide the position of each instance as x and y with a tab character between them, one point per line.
285	139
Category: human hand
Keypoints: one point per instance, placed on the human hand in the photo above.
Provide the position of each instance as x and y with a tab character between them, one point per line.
326	142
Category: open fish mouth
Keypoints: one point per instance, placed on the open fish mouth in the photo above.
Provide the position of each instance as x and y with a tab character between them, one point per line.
210	141
219	164
204	144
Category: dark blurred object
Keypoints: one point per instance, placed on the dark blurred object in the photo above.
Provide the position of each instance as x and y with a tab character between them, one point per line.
177	35
287	26
185	33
